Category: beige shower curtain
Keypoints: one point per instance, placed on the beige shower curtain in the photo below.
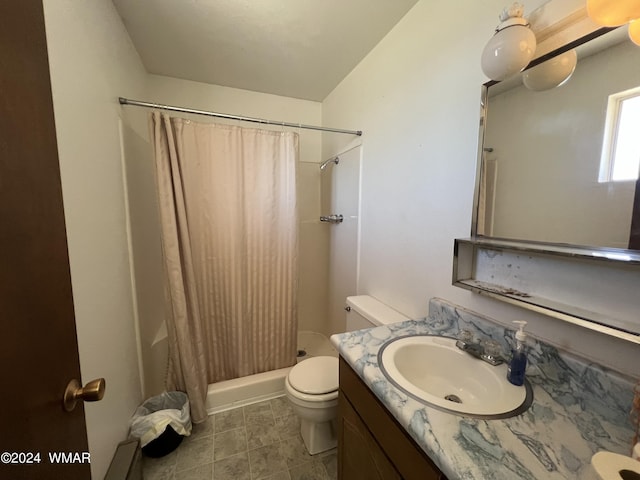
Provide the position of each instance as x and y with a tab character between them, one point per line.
229	234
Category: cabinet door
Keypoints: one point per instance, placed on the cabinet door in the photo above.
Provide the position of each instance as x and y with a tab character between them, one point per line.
360	457
388	442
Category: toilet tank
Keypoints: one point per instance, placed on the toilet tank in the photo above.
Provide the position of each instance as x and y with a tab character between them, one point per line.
364	311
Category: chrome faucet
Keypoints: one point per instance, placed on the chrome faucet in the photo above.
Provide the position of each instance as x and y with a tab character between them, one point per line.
488	352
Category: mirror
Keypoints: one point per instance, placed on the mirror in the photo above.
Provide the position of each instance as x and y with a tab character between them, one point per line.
545	172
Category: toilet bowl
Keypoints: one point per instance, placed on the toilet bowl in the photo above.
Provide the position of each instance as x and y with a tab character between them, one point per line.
312	385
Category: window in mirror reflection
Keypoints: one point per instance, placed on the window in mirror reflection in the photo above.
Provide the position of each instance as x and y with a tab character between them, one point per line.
621	146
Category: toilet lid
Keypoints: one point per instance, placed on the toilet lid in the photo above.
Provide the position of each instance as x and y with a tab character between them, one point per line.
315	376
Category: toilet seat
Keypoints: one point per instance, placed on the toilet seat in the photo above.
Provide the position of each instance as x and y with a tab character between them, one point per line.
308	400
313	381
316	376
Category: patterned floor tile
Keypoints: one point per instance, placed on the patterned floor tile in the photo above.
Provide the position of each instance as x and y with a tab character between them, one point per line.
294	451
258	413
228	420
201	472
194	453
266	461
312	470
232	468
229	443
281	407
255	442
200	430
261	435
288	426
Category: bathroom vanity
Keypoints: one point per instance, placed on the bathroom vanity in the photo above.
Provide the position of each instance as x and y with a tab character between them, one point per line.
578	409
371	443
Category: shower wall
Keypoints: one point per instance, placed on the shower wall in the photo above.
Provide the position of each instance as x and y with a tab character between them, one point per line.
341	196
144	221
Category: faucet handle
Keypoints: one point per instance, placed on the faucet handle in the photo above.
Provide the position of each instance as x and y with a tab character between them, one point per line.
492	348
492	352
466	336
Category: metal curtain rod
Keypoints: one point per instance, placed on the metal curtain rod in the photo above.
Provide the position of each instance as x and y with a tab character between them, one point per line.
137	103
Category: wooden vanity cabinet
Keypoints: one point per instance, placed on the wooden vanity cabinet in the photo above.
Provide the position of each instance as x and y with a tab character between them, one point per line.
371	443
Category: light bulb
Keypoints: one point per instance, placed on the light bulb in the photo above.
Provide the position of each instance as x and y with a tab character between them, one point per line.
552	73
613	13
634	32
511	48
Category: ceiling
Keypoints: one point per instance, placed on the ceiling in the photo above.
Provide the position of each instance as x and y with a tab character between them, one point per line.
294	48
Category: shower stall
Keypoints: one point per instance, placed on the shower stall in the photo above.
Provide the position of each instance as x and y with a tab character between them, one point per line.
317	307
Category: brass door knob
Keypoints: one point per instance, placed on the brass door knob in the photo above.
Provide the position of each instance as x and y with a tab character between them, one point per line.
91	392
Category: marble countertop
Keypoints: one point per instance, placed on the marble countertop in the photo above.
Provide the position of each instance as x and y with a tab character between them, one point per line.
554	439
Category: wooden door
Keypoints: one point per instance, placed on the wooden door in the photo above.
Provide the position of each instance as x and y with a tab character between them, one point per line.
38	346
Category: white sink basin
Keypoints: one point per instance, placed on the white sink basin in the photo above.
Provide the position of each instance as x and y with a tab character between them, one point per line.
433	370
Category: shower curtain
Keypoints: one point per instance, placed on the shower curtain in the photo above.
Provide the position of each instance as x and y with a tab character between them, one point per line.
228	211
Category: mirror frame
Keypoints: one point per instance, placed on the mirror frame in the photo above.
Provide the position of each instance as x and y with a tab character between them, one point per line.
484	98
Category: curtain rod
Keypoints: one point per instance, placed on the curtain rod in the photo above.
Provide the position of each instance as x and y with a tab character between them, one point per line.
137	103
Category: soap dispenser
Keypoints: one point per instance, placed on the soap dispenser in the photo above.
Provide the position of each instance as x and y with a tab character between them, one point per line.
518	365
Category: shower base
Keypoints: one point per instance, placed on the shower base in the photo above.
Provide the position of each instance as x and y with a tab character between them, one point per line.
242	391
313	344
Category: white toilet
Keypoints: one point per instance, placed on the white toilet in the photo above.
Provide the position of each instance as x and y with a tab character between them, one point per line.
312	385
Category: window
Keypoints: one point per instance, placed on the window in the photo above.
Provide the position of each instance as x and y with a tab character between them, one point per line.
621	147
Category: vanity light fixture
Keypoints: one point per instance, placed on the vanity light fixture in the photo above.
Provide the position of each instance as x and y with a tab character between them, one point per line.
634	31
512	46
552	73
613	13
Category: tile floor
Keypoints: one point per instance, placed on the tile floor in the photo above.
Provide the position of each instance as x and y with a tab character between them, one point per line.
259	441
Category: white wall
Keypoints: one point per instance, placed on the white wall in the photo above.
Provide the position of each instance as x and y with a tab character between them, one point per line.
204	96
92	61
416	97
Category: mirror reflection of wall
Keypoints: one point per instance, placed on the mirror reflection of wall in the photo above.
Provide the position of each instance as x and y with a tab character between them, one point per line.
546	168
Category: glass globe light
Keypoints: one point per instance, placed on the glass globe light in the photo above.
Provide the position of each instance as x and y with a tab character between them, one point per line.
512	47
613	13
634	32
552	73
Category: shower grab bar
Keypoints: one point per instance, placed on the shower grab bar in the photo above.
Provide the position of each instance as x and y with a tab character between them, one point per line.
332	218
